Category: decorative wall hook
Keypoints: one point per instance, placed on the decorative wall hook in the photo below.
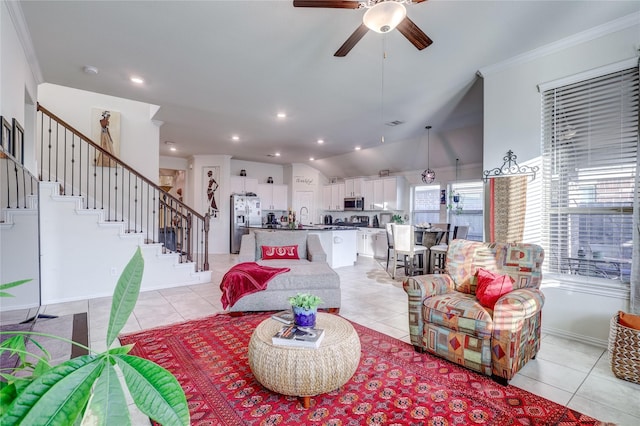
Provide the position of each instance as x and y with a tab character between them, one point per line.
510	167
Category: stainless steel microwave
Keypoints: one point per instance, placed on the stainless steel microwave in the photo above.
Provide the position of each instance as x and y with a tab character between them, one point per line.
354	203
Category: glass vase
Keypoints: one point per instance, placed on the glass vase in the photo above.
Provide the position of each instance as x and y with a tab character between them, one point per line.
304	317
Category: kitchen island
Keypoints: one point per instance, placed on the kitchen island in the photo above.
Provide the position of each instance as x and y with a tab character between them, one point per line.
339	242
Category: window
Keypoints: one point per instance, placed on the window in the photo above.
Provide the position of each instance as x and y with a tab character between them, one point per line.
468	210
590	150
426	204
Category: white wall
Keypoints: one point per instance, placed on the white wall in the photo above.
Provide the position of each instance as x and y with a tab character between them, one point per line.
219	230
139	134
19	235
18	85
512	110
302	178
260	171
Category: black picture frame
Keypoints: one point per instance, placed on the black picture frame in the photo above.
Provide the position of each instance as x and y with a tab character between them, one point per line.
17	133
5	135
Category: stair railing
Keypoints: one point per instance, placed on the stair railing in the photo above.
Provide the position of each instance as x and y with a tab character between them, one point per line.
18	187
83	168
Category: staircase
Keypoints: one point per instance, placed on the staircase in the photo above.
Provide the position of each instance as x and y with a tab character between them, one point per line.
91	221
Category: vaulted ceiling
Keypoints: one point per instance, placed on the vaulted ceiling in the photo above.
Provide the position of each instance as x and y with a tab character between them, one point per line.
224	68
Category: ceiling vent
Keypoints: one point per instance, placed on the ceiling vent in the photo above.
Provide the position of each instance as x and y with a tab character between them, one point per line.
394	123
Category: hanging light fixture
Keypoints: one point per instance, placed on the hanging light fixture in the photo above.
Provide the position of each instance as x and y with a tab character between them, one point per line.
384	16
428	176
456	194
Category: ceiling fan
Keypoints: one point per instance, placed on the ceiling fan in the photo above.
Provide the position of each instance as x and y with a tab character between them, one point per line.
381	16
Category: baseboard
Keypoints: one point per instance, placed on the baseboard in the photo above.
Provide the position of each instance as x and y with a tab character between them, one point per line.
577	337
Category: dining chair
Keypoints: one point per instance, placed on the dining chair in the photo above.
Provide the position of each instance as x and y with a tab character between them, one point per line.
404	245
443	236
391	253
438	252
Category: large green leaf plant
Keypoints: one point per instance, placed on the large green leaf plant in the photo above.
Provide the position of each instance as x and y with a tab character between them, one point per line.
87	390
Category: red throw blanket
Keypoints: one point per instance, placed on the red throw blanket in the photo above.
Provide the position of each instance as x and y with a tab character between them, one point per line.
246	278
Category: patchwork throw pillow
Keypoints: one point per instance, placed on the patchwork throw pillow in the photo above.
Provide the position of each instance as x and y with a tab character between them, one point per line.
629	320
280	252
491	287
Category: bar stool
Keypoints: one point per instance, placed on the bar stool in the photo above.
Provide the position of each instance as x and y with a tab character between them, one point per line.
438	253
404	245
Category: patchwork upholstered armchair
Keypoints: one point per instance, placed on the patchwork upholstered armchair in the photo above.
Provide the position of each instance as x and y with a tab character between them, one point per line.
484	311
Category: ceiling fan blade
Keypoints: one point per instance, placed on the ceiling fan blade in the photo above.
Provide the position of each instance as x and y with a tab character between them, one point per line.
335	4
352	40
414	34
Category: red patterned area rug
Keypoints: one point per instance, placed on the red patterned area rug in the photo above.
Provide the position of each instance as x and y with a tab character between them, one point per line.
393	384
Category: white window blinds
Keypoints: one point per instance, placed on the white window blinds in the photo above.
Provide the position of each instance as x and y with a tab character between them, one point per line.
590	162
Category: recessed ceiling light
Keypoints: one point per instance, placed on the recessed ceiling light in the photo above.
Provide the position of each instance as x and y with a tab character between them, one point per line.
235	137
357	148
88	69
311	159
282	115
137	80
277	154
173	148
320	141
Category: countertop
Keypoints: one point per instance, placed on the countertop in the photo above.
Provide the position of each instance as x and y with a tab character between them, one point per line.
307	228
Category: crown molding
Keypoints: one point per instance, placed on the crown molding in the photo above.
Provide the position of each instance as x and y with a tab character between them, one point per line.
562	44
17	18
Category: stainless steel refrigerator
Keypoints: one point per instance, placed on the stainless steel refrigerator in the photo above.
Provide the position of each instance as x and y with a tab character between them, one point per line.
245	213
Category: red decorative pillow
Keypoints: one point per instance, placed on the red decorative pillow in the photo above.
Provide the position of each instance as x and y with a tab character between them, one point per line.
491	286
280	252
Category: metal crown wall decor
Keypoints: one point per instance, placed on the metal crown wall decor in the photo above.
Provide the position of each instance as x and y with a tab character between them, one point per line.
510	167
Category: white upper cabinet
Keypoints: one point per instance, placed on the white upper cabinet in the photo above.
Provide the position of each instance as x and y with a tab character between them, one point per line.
354	187
272	196
384	194
333	197
242	185
367	193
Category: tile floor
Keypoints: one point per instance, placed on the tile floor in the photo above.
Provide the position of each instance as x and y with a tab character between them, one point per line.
567	372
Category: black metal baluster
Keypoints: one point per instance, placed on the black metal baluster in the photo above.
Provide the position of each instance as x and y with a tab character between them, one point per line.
6	163
24	187
64	165
73	164
135	205
115	194
95	178
56	140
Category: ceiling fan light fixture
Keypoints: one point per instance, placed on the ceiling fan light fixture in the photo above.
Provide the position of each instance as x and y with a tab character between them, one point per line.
385	16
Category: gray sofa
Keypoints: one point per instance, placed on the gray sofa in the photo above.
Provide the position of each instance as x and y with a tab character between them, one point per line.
309	274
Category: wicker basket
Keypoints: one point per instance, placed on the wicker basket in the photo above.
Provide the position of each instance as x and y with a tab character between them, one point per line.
624	351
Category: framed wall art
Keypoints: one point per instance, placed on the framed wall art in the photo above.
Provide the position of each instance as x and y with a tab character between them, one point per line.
105	131
211	183
18	141
5	135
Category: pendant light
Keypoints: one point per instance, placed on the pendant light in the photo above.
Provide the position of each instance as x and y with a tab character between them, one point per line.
428	176
456	194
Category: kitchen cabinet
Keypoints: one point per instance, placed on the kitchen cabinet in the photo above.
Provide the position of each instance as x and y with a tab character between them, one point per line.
333	197
384	194
372	242
340	246
243	184
380	245
272	196
368	195
354	187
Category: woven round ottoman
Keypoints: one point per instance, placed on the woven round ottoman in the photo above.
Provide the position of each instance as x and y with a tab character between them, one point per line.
305	372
